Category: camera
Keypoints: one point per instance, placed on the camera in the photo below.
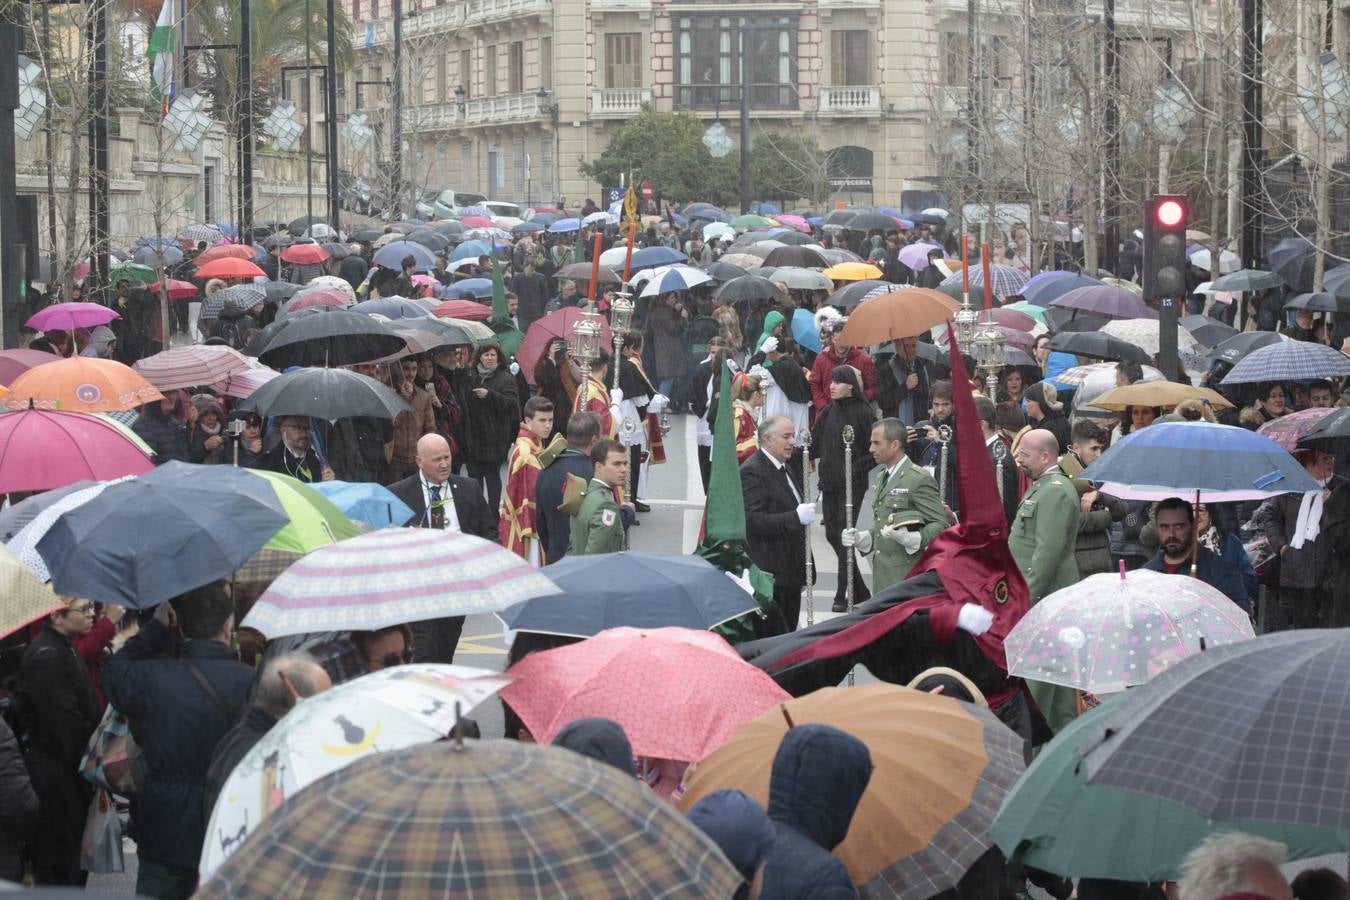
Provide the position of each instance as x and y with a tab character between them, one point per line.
235	427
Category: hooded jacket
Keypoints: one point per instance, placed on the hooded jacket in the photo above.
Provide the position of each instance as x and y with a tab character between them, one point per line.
600	739
818	777
163	432
827	438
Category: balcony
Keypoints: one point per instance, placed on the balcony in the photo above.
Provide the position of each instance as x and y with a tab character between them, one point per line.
504	109
619	103
851	100
449	18
637	6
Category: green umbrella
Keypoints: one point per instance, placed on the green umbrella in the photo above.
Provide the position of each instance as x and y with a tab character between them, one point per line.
1031	309
1246	280
314	520
1053	820
752	221
134	274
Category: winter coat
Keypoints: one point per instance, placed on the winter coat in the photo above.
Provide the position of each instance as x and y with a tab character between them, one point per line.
1310	565
164	434
222	452
827	444
818	777
18	805
666	328
353	270
892	375
1092	550
492	420
824	366
233	747
232	327
1336	533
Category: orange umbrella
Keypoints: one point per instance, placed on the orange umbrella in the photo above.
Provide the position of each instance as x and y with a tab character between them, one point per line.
1166	394
904	312
223	251
852	271
229	267
940	770
81	384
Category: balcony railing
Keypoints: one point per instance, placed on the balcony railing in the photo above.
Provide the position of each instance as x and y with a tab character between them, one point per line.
621	5
850	100
504	109
453	16
618	103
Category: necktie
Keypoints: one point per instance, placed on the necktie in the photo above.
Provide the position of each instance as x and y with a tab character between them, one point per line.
437	511
792	485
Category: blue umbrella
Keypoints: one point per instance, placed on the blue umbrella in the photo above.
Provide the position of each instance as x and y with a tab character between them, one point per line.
706	212
391	256
470	250
1041	289
474	210
1220	463
393	308
149	256
366	502
676	278
804	330
531	227
651	257
159	241
175	528
1289	361
470	287
638	590
765	209
564	226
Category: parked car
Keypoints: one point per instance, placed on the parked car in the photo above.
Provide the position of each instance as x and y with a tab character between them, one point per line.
448	201
502	207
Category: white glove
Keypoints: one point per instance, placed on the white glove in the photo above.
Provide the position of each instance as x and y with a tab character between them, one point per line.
859	540
742	580
974	619
770	345
658	404
616	396
908	540
515	368
806	513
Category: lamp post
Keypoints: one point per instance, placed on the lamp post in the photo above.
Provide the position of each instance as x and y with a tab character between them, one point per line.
586	348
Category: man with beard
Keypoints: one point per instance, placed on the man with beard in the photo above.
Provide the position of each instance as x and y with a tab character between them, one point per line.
1175	523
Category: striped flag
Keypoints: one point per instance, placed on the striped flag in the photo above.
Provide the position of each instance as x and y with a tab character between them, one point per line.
159	51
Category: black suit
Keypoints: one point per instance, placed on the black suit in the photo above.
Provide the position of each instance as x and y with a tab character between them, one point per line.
555	526
435	640
278	459
777	537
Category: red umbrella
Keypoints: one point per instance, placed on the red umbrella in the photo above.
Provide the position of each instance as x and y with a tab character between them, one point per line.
478	222
230	267
14	363
42	449
178	290
305	254
554	325
223	251
464	309
321	297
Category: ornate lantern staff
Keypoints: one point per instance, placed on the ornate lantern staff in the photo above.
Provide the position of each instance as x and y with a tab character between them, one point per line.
990	348
804	438
621	319
586	333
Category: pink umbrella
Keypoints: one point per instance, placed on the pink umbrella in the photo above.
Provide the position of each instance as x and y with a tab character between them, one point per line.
678	693
477	222
915	255
321	297
1289	429
184	367
464	309
69	316
426	281
554	325
1011	318
242	384
43	449
178	290
796	222
14	363
1015	338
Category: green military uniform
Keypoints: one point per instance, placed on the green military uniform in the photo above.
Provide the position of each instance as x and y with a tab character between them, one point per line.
907	498
1042	539
598	525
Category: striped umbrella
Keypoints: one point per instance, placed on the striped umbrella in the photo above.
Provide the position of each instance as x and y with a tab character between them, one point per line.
242	384
183	367
391	576
238	297
1007	280
1290	361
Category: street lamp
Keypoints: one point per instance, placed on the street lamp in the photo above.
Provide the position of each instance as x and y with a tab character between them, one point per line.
586	348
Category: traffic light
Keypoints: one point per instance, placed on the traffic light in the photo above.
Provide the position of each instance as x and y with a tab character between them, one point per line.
1165	220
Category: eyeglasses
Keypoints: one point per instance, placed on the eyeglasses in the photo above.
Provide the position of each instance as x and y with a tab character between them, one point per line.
84	609
389	660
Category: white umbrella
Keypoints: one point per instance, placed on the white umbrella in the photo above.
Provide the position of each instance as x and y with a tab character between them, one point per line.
717	229
1228	261
601	216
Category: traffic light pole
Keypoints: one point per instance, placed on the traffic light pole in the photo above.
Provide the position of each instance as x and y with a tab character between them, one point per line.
1252	152
1164	281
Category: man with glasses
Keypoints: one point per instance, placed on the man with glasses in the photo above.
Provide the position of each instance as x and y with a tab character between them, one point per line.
777	514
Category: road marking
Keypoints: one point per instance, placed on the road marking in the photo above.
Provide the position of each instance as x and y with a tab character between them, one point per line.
470	644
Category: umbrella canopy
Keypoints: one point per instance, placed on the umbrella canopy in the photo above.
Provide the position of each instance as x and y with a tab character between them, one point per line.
157	257
25	541
1292	259
854	293
1287	361
305	254
558	324
69	316
804	330
230	267
797	257
1108	301
14	363
646	258
175	528
752	221
801	279
393	708
745	288
1218	462
1043	287
1016	319
392	308
223	251
134	274
523	819
1007	281
432	240
871	221
239	297
1147	334
279	291
1247	280
1288	430
374	505
469	250
312	297
1331	435
1098	345
190	366
940	769
391	255
582	272
44	449
15	516
26	598
464	309
915	255
743	261
327	337
564	226
900	313
677	692
391	576
1055	821
1236	348
243	384
627	589
177	290
1320	302
1207	331
1163	394
852	271
676	278
314	520
1228	261
1113	631
81	384
707	212
328	394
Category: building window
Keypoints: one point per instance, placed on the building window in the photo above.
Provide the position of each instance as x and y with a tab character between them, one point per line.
441	78
466	72
468	172
490	70
515	76
356	10
518	164
952	49
850	57
707	59
546	63
623	60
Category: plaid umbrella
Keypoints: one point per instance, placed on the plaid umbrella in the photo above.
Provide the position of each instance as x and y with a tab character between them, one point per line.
1006	279
206	233
940	770
239	297
183	367
394	575
1289	429
1290	361
1253	730
488	818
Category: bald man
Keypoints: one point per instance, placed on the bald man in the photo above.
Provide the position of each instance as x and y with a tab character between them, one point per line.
451	503
1042	539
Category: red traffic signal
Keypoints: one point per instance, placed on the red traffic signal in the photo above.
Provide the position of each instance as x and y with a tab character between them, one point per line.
1170	213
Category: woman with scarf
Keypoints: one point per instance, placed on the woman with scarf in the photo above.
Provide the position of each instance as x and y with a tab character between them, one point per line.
847	407
1045	411
209	444
492	410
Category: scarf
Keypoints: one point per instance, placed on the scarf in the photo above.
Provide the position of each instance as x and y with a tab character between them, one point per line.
485	371
1309	518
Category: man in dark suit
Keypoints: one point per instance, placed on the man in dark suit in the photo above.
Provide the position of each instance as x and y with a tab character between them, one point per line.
449	502
294	454
555	526
988	414
776	514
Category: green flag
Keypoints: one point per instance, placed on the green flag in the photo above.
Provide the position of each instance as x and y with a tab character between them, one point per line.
505	332
579	254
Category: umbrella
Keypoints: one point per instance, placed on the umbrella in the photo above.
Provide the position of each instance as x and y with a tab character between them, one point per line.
769	238
1320	302
1236	348
25	541
1147	335
676	278
1228	261
872	221
1331	435
1007	280
1055	821
392	308
650	257
223	251
432	240
797	257
1217	462
393	708
915	255
200	232
470	250
391	255
1292	259
752	221
26	598
564	226
279	291
230	268
582	272
852	272
1108	301
1288	430
308	299
197	364
904	312
1015	319
1207	331
801	233
69	316
487	818
14	363
371	504
314	521
175	528
706	211
336	250
81	384
487	235
742	261
177	290
243	384
15	516
238	297
1246	280
305	254
157	258
44	449
940	769
1112	631
1286	361
476	331
1043	287
637	590
804	330
801	279
745	288
275	242
391	576
558	324
855	292
334	337
678	693
1164	394
328	394
464	309
302	224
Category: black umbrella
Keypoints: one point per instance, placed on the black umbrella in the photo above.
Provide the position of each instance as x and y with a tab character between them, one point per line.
1331	435
338	337
1233	349
301	225
450	229
855	292
795	238
336	250
1207	331
433	241
927	219
1098	345
840	216
724	272
747	287
801	257
279	291
278	241
368	235
1322	301
1293	259
328	394
871	221
1071	320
